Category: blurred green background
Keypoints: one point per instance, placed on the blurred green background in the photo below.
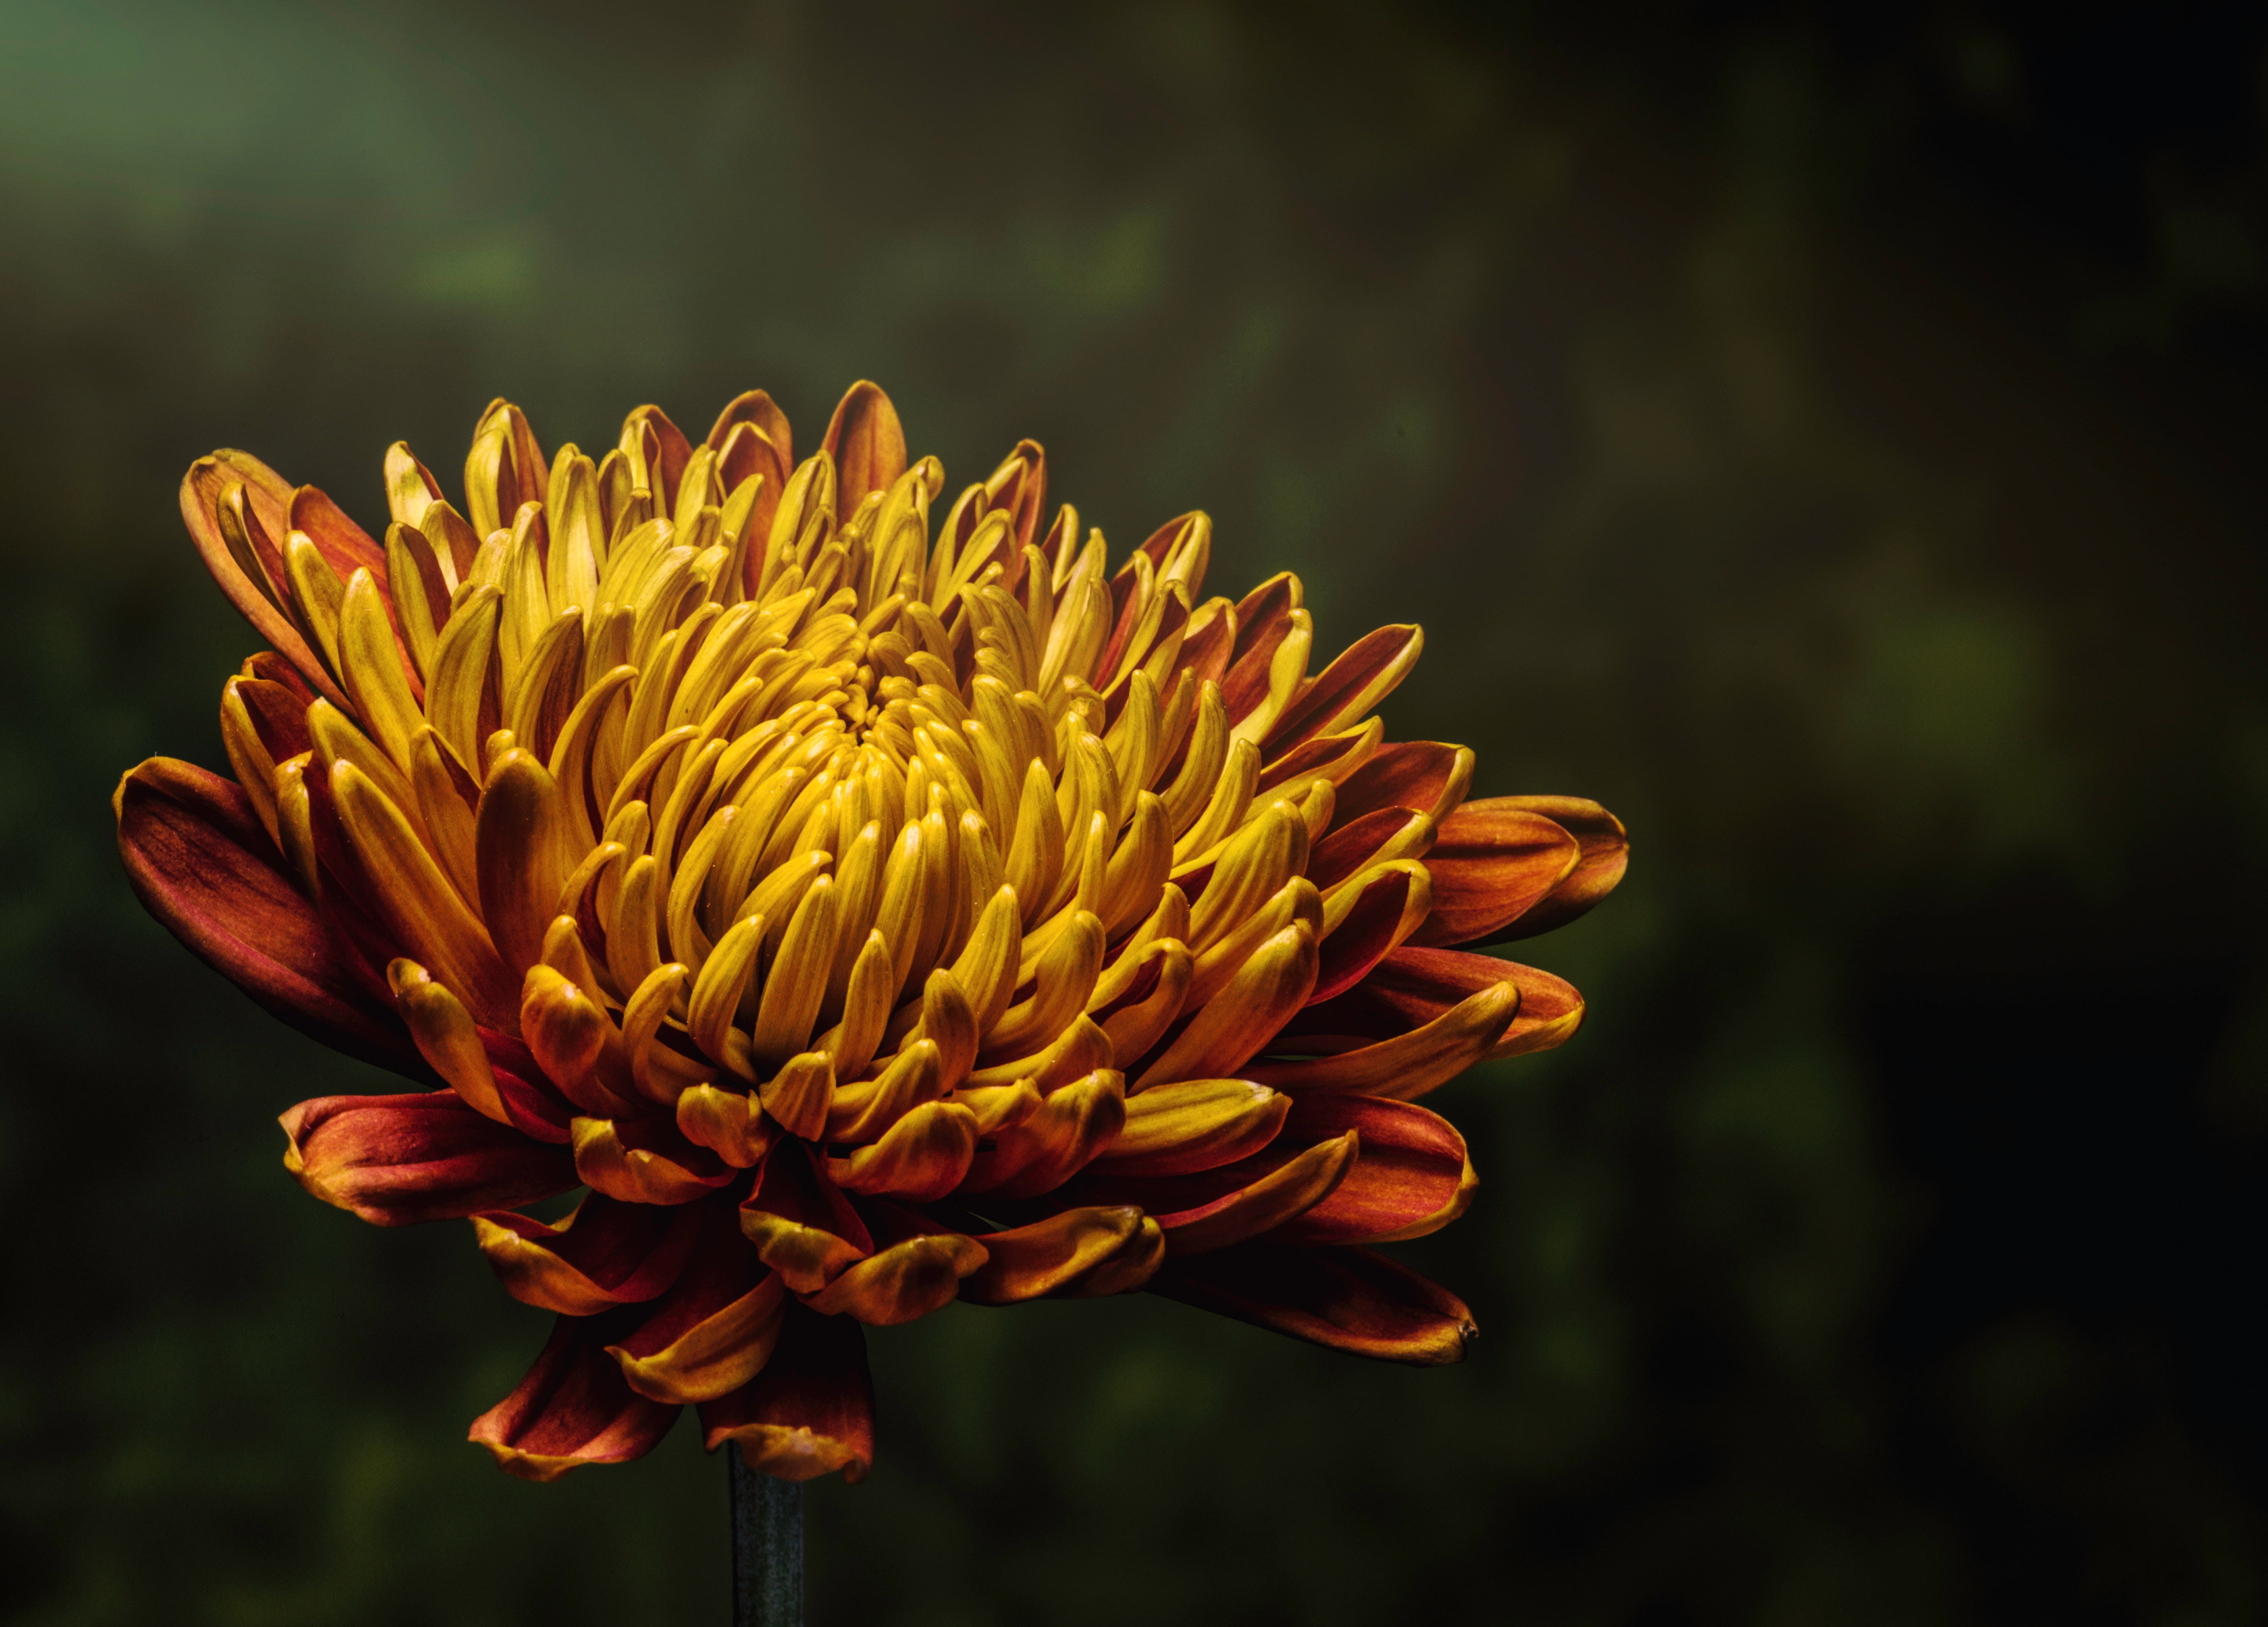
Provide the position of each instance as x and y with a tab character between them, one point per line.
1832	437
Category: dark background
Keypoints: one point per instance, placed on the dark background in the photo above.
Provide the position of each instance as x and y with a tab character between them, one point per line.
1832	437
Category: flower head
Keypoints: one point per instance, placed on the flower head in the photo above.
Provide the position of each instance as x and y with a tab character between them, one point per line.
868	909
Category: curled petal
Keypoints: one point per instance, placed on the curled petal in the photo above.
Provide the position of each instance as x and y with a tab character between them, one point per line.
396	1160
1492	864
266	501
1606	855
811	1411
572	1407
644	1161
1056	1255
1195	1221
1412	986
201	863
1351	1300
1410	1064
918	1269
802	1224
1350	688
1381	909
1075	1123
921	1157
606	1253
715	1328
730	1124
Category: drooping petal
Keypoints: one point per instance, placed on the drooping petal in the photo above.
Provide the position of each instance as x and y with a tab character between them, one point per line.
201	863
572	1407
1351	1300
395	1160
810	1411
1492	864
605	1253
714	1329
802	1224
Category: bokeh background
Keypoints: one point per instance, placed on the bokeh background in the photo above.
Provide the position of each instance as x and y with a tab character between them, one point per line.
1832	436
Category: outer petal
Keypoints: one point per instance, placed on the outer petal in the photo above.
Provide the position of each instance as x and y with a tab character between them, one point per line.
572	1407
604	1254
1426	774
1413	987
867	443
1351	1300
916	1269
1606	855
811	1411
1492	864
201	863
714	1329
268	500
396	1160
1408	1066
1412	1179
644	1161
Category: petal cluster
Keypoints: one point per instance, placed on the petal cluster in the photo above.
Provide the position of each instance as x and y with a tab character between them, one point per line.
866	907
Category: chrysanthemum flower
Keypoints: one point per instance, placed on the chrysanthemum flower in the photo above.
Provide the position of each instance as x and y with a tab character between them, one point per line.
868	910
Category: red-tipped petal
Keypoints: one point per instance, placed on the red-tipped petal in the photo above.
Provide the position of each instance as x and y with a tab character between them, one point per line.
1426	774
1350	1299
714	1329
201	863
572	1407
268	503
396	1160
802	1224
1492	864
811	1411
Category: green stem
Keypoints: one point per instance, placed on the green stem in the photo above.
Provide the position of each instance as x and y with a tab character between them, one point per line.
767	1547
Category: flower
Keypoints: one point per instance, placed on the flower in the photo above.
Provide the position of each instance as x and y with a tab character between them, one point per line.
865	920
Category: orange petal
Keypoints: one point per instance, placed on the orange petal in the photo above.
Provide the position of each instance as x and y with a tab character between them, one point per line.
867	443
1411	987
1350	688
1492	864
1424	775
731	1123
1383	913
1606	855
1272	985
267	500
1350	1299
644	1161
1266	1199
1051	1256
1075	1123
1193	1124
572	1407
920	1157
603	1254
810	1411
1410	1064
1412	1179
200	861
714	1329
395	1160
802	1224
918	1269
